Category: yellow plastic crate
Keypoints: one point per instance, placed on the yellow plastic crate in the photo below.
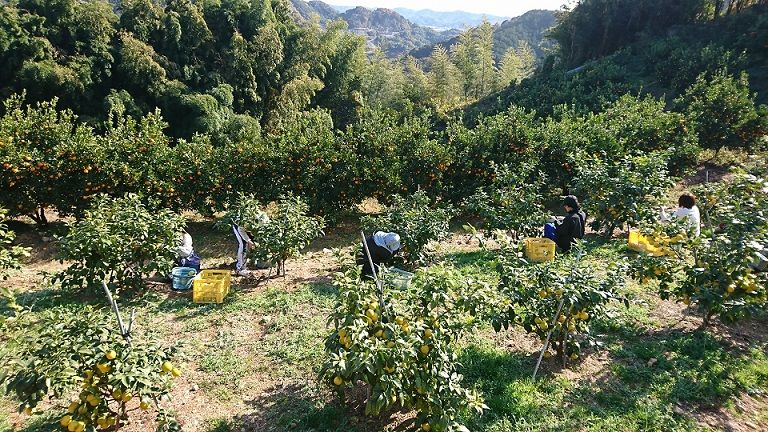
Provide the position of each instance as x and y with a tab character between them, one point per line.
208	290
539	249
223	275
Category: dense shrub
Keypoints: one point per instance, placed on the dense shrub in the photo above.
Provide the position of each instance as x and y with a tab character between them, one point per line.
119	241
624	193
723	112
416	219
47	160
9	253
513	201
279	232
505	138
712	272
74	351
406	353
533	292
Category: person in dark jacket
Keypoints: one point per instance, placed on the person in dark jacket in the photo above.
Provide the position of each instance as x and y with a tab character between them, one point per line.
383	247
572	226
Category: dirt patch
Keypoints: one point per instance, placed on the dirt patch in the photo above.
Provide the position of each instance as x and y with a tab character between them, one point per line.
742	416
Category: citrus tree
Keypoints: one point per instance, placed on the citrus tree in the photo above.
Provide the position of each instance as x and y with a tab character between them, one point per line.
533	293
624	193
119	241
9	253
280	233
513	201
416	219
405	353
75	351
47	160
712	272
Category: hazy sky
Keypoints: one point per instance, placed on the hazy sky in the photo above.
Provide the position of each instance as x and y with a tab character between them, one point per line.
510	8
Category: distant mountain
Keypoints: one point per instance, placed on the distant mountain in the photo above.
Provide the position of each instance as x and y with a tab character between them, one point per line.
383	28
305	10
391	32
447	20
530	27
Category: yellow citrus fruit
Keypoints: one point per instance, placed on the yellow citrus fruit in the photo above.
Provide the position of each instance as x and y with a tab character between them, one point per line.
73	407
543	294
380	333
424	349
111	355
127	397
426	427
65	421
371	315
28	411
686	300
583	315
103	368
342	333
389	369
338	380
167	366
428	333
117	395
547	354
80	427
731	288
406	329
390	344
144	405
561	319
72	426
574	356
176	372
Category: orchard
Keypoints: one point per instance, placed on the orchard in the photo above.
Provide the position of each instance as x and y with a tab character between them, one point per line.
127	125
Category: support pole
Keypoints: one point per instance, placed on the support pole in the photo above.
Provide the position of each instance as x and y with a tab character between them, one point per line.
579	254
379	286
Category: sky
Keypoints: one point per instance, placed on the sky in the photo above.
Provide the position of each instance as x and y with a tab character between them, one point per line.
509	8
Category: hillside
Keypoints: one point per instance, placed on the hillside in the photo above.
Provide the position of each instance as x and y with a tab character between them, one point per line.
662	66
390	31
447	20
307	9
383	28
530	27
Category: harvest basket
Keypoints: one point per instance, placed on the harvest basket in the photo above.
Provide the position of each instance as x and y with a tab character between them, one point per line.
211	286
224	275
539	249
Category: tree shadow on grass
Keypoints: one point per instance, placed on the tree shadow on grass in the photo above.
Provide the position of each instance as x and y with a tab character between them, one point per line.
645	382
290	408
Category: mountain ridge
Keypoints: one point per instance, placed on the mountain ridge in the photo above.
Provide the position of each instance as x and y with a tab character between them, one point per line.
383	28
530	27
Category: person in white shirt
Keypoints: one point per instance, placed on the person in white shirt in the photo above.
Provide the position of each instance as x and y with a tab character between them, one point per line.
185	253
687	209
